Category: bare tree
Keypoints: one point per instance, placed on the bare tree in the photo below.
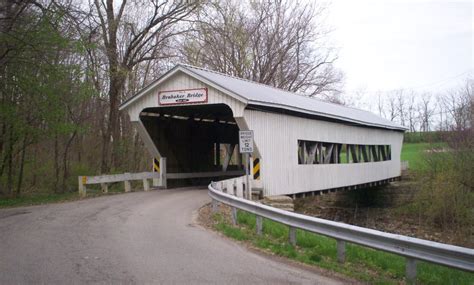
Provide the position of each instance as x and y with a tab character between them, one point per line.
279	43
411	111
458	105
426	112
401	105
392	107
131	34
441	113
380	104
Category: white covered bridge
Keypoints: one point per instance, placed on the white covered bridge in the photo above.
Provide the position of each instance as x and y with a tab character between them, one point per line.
191	117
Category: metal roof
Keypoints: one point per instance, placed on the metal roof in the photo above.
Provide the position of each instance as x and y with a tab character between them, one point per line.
258	94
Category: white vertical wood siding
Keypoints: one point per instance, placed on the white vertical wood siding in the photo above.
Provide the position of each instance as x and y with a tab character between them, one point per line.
277	135
276	142
183	81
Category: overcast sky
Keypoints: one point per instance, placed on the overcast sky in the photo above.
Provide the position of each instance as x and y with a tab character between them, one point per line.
388	44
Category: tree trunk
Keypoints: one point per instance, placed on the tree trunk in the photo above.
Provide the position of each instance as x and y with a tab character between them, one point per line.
4	157
136	147
2	137
22	164
35	166
65	158
56	164
10	163
109	149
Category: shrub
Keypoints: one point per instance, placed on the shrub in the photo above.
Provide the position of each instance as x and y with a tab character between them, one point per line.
446	196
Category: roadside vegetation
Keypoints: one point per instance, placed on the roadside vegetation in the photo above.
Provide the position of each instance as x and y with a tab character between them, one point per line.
362	263
46	197
445	187
37	199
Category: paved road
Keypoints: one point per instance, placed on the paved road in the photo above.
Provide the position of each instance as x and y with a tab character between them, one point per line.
135	238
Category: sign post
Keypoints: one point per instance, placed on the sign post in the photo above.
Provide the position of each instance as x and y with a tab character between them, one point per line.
246	147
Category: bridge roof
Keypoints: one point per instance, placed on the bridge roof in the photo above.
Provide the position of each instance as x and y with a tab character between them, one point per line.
257	94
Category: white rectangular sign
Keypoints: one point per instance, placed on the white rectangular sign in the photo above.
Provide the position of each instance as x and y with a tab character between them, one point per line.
184	96
246	141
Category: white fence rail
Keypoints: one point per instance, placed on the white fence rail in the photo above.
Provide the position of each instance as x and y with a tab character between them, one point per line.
203	174
412	248
233	186
159	177
103	180
237	186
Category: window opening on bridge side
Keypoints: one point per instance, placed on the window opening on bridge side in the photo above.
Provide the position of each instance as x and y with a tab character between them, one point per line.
226	154
315	152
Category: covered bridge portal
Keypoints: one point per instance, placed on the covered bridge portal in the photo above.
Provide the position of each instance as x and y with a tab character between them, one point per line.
196	138
191	117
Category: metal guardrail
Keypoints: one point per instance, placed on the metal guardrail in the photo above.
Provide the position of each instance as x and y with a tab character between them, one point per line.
412	248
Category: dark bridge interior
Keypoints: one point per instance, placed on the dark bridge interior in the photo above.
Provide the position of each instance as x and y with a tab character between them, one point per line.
199	138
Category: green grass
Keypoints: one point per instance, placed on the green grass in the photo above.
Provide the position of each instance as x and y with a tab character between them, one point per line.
45	197
415	153
37	199
362	263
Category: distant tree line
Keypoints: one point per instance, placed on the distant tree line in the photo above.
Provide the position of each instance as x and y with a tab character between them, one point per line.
448	110
66	66
444	187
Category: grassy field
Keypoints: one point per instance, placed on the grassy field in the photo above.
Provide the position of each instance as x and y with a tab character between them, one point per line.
414	153
362	263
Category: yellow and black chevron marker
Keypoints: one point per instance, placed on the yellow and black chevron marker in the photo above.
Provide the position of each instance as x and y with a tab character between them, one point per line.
156	165
256	168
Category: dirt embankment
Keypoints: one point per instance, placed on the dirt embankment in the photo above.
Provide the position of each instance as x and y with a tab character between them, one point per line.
387	209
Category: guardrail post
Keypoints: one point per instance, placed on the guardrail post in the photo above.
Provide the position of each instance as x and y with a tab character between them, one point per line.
146	185
239	188
234	215
411	248
229	187
411	270
104	187
341	251
164	183
292	235
128	186
156	182
259	225
215	206
82	186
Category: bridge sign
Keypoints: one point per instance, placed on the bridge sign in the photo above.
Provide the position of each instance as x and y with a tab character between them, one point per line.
246	141
184	96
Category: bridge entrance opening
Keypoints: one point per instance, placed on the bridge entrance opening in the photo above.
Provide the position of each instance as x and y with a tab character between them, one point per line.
200	142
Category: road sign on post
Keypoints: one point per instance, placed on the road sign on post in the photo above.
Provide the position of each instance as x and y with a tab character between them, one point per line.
246	141
246	146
